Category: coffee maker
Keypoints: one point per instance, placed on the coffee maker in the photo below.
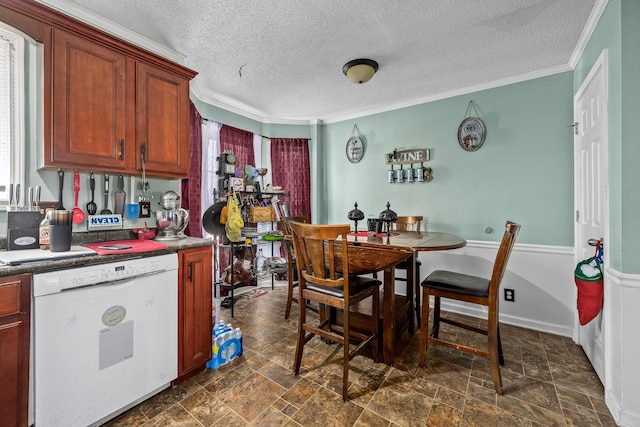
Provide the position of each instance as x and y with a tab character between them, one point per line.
171	220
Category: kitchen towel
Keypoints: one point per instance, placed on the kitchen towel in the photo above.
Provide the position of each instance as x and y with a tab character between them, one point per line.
136	246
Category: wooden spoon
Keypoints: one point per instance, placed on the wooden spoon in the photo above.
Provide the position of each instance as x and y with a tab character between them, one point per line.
78	214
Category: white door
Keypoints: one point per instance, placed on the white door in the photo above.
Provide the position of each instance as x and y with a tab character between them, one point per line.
590	112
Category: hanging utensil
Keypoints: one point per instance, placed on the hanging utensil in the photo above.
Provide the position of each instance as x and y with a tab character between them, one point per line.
78	214
120	196
145	205
60	186
105	210
92	208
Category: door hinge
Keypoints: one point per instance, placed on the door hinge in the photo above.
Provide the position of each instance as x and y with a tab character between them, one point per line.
577	215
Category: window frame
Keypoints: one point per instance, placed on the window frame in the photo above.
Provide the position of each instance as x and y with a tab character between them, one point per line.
17	93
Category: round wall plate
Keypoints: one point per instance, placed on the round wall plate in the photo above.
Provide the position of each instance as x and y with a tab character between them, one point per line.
355	149
471	134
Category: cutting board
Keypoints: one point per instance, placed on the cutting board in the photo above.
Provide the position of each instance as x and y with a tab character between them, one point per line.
132	246
35	255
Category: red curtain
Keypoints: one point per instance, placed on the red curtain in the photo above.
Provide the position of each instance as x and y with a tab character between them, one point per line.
190	188
241	143
290	170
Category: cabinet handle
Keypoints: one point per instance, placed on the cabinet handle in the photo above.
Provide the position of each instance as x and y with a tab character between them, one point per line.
191	272
143	151
122	149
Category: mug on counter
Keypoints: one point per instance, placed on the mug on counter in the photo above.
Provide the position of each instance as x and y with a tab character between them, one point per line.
60	237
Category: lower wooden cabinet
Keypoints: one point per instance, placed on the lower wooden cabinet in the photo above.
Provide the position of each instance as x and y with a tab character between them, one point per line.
194	310
15	309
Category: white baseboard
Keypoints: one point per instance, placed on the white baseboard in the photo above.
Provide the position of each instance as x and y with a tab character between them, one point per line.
508	319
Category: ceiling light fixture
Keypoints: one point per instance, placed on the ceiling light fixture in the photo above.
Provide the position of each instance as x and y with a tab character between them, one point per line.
360	70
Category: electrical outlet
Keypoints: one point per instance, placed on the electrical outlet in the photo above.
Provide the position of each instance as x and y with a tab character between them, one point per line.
510	295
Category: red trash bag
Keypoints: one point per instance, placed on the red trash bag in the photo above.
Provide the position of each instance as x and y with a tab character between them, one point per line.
588	278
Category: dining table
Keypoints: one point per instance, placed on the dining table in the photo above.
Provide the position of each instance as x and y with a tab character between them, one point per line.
371	253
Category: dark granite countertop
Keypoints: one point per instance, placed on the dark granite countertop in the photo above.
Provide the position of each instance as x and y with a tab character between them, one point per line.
99	237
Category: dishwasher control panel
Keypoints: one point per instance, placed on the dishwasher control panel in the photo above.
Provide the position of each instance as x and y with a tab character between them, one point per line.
58	281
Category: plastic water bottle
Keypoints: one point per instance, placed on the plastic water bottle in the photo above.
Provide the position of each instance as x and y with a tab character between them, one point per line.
259	264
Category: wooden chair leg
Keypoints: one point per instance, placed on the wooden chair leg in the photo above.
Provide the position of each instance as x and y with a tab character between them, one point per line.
289	295
416	286
424	328
375	325
436	317
500	355
345	356
302	318
493	339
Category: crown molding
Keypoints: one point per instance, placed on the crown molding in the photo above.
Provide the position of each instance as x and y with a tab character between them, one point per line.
117	30
587	32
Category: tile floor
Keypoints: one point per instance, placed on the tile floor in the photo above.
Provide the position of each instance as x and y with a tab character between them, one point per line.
547	379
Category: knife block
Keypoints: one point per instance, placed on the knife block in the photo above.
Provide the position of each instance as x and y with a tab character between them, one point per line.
23	230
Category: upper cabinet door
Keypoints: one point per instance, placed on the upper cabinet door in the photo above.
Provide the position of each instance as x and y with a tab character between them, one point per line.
88	106
162	118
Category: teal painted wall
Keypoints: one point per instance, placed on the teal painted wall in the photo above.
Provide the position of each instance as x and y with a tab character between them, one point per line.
618	32
523	172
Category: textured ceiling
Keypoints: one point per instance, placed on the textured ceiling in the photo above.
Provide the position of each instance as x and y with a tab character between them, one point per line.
281	60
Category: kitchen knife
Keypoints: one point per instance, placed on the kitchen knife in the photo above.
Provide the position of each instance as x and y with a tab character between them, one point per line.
18	196
38	193
30	199
120	196
10	196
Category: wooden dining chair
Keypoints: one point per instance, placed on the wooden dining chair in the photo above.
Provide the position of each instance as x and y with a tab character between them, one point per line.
471	289
323	272
410	223
292	269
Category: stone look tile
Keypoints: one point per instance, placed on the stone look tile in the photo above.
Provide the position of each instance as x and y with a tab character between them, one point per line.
162	401
482	414
174	417
132	418
443	416
547	379
326	408
400	405
369	419
205	408
252	396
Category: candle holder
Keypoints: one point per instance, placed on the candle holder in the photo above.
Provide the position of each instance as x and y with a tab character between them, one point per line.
356	215
262	172
388	216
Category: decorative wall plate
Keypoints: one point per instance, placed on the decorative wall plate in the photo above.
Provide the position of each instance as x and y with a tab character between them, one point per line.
471	134
355	149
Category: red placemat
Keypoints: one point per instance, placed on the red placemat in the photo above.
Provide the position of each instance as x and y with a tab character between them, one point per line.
136	246
366	234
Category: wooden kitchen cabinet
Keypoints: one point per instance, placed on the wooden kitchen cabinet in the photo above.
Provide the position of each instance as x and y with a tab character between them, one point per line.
89	106
112	108
194	310
15	309
162	114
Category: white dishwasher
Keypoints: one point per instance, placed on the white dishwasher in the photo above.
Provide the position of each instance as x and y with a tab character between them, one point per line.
105	338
